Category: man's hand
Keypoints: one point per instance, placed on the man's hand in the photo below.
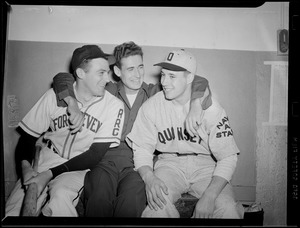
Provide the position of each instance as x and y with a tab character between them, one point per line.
194	117
27	171
206	204
154	189
76	117
42	179
204	207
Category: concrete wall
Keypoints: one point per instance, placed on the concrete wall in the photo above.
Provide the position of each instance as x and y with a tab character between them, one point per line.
231	45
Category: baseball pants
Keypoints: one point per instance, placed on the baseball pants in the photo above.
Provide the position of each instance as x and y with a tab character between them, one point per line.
62	190
191	174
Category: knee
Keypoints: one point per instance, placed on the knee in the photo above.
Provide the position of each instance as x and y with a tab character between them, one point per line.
59	192
227	208
97	177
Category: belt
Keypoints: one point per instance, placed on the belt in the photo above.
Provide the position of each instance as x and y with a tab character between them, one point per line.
176	153
188	154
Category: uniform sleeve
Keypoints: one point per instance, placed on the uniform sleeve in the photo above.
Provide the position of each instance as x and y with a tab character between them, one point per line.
37	120
141	157
86	160
221	140
144	136
200	88
112	126
226	167
63	87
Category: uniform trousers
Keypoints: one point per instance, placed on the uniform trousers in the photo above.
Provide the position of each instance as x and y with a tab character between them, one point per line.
113	188
191	174
62	191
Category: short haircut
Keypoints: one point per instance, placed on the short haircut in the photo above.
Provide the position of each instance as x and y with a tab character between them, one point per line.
126	49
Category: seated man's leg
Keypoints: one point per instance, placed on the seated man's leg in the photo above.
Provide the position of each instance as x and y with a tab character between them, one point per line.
100	187
14	203
225	204
131	200
63	191
176	184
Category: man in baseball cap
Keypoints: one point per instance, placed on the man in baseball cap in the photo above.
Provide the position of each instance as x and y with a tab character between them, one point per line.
179	60
69	154
177	63
201	165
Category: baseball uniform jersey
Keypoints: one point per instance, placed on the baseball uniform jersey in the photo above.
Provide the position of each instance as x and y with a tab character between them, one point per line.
163	130
103	122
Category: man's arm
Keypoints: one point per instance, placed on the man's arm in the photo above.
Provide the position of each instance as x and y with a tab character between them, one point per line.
154	187
205	206
222	175
199	90
24	154
86	160
224	149
65	96
143	160
200	100
63	87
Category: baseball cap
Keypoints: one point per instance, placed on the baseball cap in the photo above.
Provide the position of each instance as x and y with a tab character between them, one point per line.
179	60
89	52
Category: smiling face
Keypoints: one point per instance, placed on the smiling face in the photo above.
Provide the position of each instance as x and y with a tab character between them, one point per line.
176	85
131	73
96	77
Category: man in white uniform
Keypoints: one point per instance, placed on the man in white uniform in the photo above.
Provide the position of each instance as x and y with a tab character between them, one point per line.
65	161
201	165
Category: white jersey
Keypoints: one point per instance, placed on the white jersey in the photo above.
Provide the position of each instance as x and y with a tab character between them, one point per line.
160	125
103	122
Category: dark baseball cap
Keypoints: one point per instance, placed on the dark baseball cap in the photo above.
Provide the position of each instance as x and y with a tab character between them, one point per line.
89	52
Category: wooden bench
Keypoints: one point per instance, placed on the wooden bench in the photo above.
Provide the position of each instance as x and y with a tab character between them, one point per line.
186	205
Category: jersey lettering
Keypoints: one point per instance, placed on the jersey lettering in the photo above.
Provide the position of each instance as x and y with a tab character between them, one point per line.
224	120
60	122
117	123
224	134
227	131
169	134
91	123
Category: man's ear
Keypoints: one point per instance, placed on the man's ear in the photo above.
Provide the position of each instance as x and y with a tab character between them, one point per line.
80	73
190	78
117	71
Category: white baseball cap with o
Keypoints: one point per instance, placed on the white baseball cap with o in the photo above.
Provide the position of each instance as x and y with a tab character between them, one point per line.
179	60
